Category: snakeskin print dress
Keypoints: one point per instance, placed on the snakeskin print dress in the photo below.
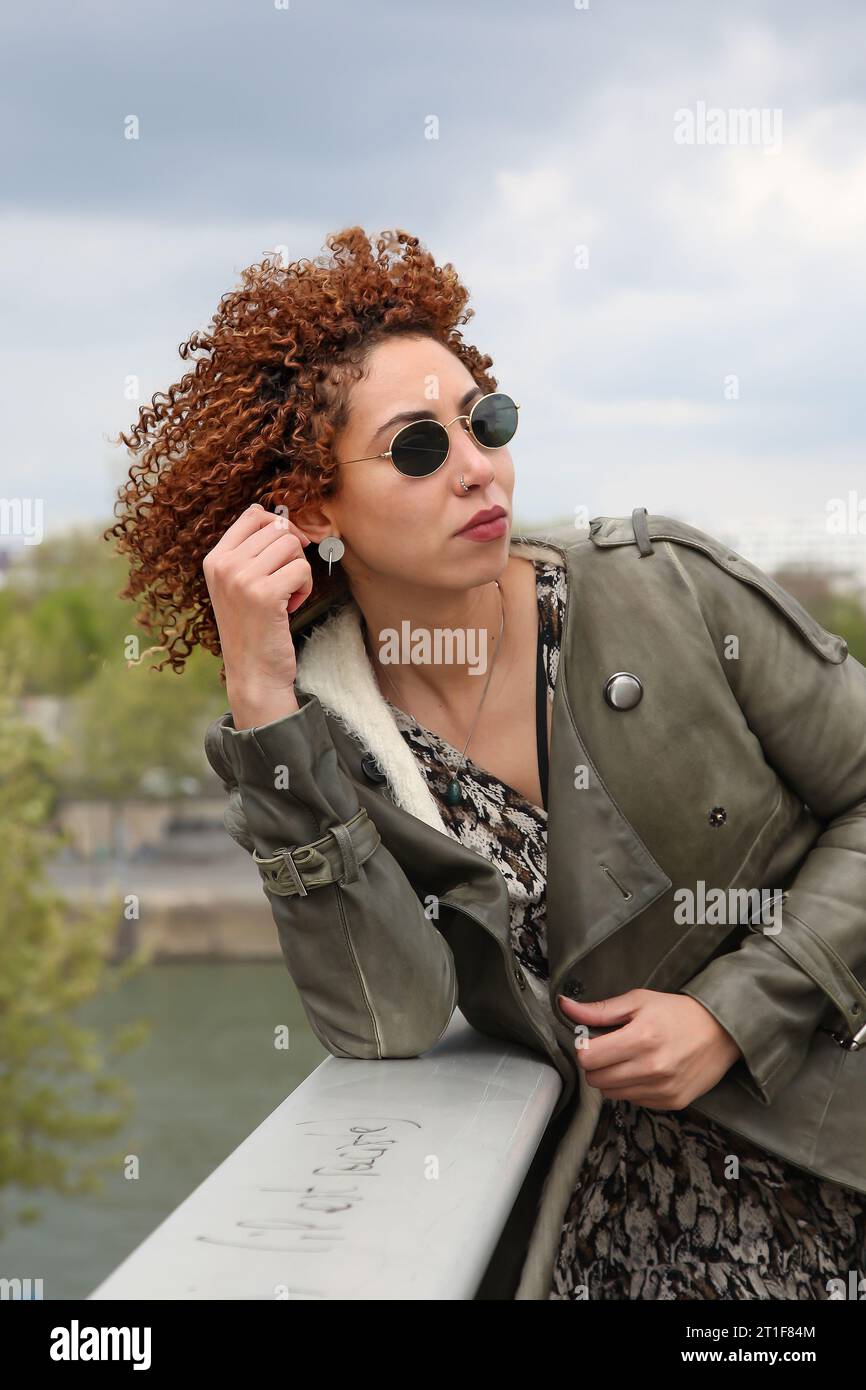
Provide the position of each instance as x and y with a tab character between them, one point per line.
655	1213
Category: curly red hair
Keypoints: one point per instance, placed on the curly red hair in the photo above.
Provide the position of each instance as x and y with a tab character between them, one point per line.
255	418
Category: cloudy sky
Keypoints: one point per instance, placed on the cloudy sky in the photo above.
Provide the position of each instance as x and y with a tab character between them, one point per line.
701	356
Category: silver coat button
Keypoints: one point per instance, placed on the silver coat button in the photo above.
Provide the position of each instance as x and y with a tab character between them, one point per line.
623	690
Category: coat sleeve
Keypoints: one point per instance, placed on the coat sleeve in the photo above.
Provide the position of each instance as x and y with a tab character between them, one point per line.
804	697
375	975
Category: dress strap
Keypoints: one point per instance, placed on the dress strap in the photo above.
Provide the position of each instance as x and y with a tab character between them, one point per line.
541	716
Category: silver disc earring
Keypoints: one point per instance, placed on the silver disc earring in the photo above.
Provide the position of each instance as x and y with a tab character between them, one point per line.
331	548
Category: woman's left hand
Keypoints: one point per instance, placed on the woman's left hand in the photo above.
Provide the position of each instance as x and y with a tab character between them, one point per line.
668	1051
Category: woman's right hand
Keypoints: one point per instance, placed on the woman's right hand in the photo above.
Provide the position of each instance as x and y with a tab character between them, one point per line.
257	575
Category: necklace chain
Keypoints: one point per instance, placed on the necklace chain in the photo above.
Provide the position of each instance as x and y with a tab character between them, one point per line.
454	794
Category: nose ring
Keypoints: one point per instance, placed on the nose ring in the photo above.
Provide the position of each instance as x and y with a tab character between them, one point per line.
462	484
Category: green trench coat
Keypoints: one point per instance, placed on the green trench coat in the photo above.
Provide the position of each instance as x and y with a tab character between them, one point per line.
741	766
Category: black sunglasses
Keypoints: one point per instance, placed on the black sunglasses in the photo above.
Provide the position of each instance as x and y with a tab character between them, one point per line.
420	448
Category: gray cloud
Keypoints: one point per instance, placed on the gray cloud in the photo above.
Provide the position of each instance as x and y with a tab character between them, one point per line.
261	127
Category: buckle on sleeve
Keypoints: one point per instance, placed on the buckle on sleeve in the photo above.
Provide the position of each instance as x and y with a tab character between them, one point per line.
334	858
276	870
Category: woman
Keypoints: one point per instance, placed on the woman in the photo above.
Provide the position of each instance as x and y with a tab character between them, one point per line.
295	471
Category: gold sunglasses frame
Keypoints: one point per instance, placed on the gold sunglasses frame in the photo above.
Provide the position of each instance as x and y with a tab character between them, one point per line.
412	423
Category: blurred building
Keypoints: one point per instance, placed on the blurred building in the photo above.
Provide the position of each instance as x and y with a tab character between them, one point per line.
45	713
802	542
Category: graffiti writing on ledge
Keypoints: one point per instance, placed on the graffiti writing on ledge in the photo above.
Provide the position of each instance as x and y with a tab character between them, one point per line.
316	1220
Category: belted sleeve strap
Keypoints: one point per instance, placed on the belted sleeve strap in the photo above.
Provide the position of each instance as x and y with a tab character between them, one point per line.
375	975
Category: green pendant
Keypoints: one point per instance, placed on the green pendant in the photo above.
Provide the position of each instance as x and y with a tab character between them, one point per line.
454	795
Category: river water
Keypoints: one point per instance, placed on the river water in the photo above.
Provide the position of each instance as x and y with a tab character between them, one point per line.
208	1074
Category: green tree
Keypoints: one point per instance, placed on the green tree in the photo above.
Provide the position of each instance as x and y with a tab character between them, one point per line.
59	614
61	619
130	722
57	1094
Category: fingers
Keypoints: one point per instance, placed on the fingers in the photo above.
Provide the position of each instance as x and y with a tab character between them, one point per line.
249	524
246	524
277	549
303	593
608	1049
615	1014
272	528
601	1013
621	1076
292	580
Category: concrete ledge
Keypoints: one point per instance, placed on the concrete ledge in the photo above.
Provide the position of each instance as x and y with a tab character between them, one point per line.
372	1180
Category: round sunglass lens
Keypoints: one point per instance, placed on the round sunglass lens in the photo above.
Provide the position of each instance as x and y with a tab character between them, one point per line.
420	448
494	420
